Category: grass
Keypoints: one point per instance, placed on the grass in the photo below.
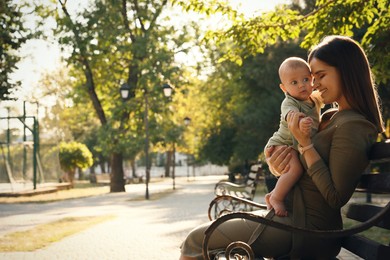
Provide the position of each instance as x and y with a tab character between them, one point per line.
378	234
375	233
45	234
81	190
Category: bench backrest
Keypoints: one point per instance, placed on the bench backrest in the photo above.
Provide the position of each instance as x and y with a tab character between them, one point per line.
253	178
376	181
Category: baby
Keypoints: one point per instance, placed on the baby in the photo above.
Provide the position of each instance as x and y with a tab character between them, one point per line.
297	84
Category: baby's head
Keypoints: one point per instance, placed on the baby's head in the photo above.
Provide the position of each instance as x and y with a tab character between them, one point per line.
296	78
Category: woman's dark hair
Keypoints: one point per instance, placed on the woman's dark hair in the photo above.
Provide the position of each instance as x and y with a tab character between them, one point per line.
358	85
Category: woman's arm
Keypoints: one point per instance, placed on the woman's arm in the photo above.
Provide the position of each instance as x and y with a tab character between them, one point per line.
348	158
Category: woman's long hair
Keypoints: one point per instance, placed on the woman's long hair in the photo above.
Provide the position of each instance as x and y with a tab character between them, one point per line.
357	80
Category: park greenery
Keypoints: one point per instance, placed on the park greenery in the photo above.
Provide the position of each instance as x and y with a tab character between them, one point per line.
13	36
73	156
224	77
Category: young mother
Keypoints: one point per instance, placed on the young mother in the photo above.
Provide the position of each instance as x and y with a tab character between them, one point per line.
333	160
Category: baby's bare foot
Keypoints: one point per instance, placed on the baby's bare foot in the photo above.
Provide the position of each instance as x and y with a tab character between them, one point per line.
267	201
278	206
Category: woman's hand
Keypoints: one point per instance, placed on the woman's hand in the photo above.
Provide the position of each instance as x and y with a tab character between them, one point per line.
293	118
278	159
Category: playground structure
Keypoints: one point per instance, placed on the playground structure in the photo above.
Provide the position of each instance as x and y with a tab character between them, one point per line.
20	160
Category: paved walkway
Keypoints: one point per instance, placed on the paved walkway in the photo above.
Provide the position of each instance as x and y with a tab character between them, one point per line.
142	229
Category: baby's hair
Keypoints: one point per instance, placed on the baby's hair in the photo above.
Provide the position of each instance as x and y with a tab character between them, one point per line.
293	63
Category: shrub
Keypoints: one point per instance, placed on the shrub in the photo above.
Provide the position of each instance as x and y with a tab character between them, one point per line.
74	155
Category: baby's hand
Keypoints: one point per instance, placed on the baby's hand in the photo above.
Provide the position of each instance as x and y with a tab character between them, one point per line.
305	125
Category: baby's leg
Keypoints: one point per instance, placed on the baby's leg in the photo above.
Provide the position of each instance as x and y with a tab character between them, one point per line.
286	181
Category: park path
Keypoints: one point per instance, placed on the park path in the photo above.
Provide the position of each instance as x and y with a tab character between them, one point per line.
141	229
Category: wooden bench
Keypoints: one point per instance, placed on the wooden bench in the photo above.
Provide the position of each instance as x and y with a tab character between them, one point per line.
224	190
368	214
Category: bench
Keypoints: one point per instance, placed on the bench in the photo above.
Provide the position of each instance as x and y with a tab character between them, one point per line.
224	190
134	180
245	190
103	178
368	214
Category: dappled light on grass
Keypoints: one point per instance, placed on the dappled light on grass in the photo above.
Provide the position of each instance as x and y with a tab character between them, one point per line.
45	234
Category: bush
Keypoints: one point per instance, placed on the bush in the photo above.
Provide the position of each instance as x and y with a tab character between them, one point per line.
74	155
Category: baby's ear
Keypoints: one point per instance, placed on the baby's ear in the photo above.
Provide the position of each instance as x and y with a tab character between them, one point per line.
282	87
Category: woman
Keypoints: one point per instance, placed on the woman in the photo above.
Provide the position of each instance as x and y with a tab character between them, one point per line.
333	160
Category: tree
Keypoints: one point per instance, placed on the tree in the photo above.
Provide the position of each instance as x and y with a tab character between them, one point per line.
247	99
12	36
257	42
132	44
248	37
73	155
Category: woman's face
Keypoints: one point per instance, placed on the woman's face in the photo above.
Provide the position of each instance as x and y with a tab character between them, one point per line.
328	82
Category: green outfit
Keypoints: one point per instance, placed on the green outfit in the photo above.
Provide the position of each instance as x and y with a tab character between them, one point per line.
314	202
310	109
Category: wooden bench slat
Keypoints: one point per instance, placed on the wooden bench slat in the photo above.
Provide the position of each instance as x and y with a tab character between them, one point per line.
366	248
380	152
374	183
363	212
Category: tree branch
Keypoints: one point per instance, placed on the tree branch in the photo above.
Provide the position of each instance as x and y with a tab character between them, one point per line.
126	20
86	67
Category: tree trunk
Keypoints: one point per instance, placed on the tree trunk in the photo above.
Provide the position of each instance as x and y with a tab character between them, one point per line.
117	183
92	174
102	163
168	163
133	169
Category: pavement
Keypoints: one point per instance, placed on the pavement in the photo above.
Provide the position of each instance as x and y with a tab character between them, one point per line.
141	229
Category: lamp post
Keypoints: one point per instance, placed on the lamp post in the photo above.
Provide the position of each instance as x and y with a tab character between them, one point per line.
187	121
125	91
168	92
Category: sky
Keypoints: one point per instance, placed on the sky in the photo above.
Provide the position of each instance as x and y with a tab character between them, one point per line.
40	56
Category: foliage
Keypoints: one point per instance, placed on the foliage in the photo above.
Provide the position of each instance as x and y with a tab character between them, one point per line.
235	110
133	44
247	100
347	17
74	155
244	103
12	36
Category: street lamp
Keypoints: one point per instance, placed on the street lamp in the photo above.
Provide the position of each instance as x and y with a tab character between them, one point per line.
167	90
187	121
125	91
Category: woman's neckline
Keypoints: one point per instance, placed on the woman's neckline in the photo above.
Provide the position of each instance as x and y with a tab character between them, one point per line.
330	115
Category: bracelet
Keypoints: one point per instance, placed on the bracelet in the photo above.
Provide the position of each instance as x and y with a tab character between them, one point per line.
303	149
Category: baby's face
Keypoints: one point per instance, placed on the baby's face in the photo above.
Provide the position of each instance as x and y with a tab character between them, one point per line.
297	82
